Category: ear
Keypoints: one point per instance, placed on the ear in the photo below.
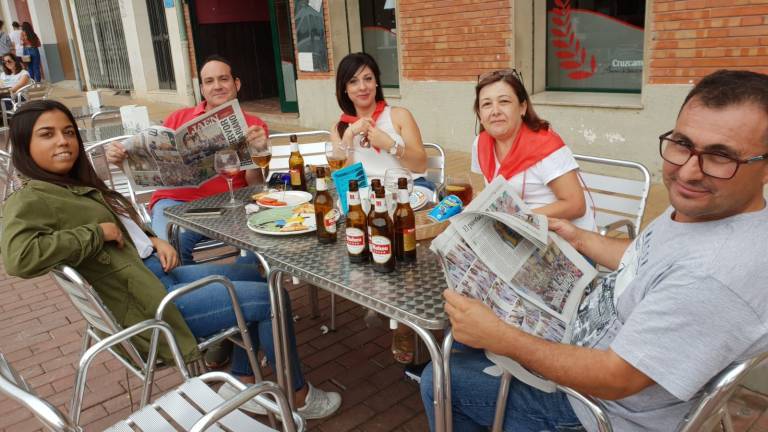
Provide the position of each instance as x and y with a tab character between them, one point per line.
524	106
237	84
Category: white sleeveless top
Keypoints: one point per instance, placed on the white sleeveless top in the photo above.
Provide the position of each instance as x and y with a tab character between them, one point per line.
376	164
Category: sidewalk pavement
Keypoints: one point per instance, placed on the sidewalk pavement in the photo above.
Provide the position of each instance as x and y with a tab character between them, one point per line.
40	333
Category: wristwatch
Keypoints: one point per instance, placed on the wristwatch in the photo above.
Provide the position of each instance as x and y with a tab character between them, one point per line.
395	149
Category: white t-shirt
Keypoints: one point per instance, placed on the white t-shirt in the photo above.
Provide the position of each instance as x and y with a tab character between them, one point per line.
139	238
10	80
537	177
15	36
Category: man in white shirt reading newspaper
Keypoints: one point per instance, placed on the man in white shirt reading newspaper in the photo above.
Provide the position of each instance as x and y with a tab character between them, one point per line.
687	297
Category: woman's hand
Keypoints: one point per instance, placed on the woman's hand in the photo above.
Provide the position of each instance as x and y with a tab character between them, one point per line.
380	139
361	126
168	256
111	232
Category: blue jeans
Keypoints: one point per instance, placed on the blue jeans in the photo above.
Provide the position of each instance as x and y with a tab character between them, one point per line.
34	62
473	396
208	310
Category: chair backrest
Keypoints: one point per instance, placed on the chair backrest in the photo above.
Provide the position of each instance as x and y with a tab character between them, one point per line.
35	91
615	198
435	163
105	118
12	385
311	146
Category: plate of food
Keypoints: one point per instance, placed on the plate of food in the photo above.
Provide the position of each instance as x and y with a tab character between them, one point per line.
298	219
282	199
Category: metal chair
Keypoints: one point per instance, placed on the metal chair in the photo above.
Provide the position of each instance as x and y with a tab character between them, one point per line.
32	91
435	165
312	150
100	321
193	406
618	202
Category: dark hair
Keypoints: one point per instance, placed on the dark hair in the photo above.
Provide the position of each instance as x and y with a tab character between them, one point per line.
26	27
15	24
1	23
17	66
530	118
22	125
347	69
218	58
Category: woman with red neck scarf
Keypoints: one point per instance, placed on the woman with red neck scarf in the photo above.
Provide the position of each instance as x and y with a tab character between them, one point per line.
518	145
380	136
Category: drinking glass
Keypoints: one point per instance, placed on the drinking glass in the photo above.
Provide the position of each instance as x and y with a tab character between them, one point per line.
459	185
227	164
261	155
336	154
391	175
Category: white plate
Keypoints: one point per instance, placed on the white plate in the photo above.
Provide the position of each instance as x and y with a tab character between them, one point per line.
269	215
290	198
420	197
281	233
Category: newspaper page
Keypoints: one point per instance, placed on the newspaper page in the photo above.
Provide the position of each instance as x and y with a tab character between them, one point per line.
499	258
160	157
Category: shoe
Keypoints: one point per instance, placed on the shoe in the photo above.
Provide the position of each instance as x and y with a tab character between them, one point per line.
217	355
319	404
228	391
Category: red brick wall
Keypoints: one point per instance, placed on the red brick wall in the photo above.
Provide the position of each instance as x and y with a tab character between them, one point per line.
453	40
331	60
693	38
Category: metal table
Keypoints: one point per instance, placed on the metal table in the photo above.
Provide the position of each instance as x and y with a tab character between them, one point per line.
411	294
99	133
85	111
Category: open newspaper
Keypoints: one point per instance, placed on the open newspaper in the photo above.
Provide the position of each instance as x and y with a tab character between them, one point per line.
160	157
497	251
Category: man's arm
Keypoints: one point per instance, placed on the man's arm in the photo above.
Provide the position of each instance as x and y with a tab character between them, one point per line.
601	374
606	251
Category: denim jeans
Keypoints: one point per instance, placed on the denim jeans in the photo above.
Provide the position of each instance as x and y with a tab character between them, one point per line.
34	62
473	396
208	310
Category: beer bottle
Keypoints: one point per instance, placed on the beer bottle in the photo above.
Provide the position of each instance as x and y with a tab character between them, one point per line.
326	214
405	224
375	184
381	236
296	166
356	227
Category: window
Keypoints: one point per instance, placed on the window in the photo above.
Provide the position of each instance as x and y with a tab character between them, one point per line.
594	45
379	32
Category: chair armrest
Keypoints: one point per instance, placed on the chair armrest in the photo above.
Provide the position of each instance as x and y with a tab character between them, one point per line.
631	230
601	418
281	408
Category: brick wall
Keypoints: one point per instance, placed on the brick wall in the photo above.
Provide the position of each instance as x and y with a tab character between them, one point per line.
331	60
693	38
453	40
191	44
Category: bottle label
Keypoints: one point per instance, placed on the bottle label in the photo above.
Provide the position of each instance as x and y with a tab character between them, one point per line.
380	205
381	249
330	219
355	240
321	186
295	177
409	239
403	197
354	198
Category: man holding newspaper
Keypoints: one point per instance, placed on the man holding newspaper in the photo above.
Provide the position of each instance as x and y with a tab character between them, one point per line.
685	299
219	85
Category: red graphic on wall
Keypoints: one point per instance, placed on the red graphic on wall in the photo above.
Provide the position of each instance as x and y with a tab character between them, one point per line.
572	55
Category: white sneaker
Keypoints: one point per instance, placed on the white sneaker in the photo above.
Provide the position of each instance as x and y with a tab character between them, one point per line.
228	391
319	404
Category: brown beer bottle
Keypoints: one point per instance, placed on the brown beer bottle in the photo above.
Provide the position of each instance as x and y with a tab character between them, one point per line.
381	244
356	227
296	166
405	224
375	184
326	214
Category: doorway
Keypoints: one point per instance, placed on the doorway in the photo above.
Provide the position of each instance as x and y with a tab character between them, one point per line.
255	36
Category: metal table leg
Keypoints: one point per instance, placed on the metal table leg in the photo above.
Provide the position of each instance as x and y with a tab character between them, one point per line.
447	346
437	374
277	332
287	372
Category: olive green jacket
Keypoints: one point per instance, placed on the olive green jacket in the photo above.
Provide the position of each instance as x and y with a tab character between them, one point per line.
46	225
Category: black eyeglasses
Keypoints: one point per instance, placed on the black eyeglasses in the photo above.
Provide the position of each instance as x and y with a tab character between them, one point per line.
717	165
501	73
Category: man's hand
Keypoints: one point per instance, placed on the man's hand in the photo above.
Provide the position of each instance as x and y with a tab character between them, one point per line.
255	136
168	256
116	153
473	322
111	232
568	231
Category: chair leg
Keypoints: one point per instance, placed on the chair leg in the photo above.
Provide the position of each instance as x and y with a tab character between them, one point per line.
333	312
501	402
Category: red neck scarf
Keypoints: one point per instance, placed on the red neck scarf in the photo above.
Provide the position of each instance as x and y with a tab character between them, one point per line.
349	119
529	148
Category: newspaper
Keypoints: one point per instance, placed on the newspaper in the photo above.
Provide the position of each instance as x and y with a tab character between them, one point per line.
500	252
160	157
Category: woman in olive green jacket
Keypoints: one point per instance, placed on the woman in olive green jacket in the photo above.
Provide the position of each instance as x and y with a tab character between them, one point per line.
65	214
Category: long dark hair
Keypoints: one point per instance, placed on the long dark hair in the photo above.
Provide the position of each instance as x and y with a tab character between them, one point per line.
530	118
17	66
82	172
26	27
347	69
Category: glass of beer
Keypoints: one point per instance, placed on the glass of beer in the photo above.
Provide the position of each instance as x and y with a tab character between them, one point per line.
461	186
336	154
261	155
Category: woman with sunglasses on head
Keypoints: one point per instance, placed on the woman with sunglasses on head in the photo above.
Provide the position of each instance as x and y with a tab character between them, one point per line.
514	142
14	76
64	214
379	136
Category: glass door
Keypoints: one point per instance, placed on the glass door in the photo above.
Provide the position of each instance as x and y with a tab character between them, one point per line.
282	46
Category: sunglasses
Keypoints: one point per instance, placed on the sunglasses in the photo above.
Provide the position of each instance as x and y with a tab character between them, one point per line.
501	73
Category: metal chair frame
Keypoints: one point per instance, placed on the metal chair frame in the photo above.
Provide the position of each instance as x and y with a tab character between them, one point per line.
31	91
214	409
99	319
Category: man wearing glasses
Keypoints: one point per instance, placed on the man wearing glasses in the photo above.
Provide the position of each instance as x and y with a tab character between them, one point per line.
687	297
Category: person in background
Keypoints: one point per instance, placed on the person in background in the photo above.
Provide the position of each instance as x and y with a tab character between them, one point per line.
31	43
64	214
15	36
515	143
13	76
6	44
